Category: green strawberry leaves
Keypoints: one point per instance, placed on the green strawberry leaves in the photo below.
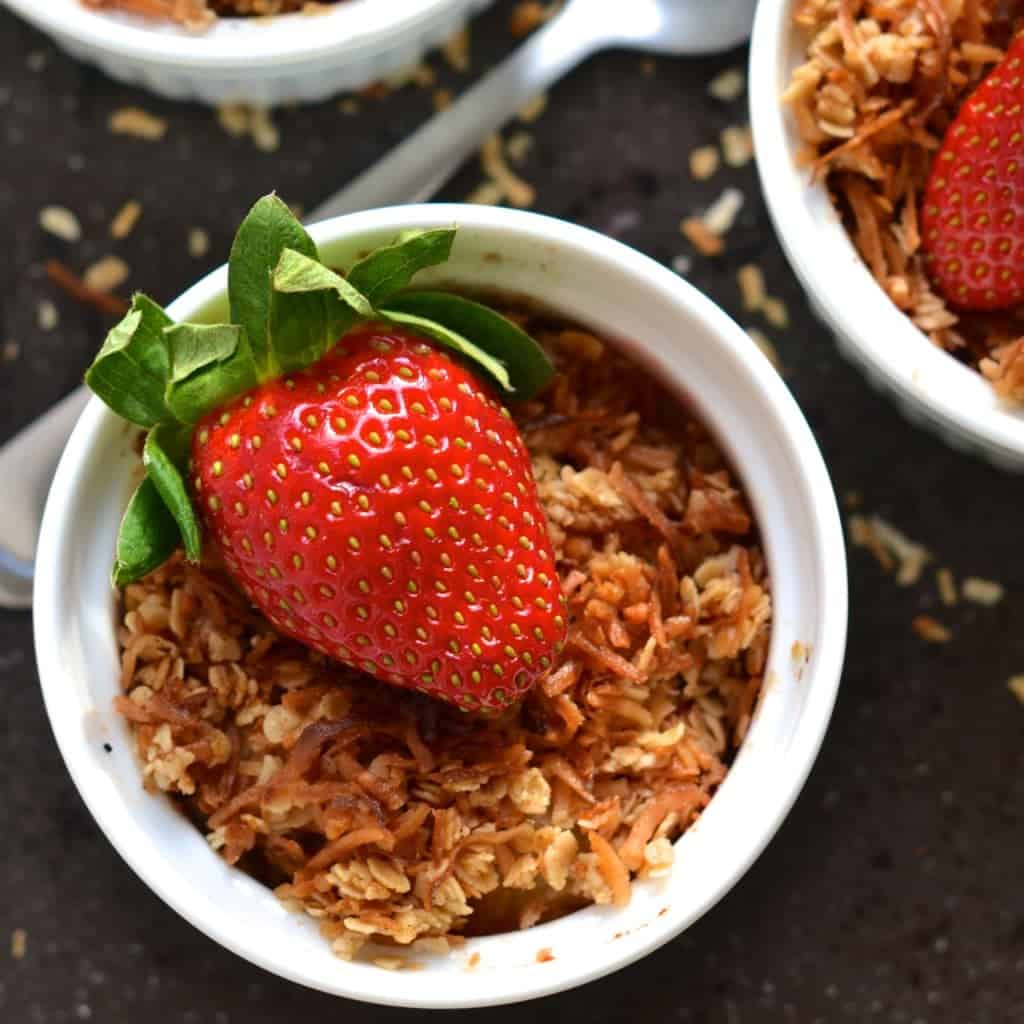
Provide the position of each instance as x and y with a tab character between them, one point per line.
527	368
131	370
287	309
148	536
210	363
165	456
390	269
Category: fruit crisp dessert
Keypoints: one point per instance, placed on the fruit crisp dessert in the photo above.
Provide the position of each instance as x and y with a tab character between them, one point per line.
428	668
910	110
200	14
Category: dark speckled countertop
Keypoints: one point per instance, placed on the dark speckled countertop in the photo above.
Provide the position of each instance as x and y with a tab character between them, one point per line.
894	891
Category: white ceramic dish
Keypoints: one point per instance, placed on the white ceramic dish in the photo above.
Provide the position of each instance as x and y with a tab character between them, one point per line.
268	61
932	388
708	361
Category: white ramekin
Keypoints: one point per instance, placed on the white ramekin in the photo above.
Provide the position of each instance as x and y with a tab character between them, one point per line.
931	387
709	363
267	61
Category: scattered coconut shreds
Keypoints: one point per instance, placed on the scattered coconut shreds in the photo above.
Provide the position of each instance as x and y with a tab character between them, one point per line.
737	145
764	343
492	159
488	193
68	281
682	264
775	312
703	162
442	99
531	110
241	119
423	76
47	315
728	85
984	592
198	243
10	351
890	547
19	943
263	130
528	15
137	122
234	118
947	587
125	219
720	216
106	274
750	278
1016	687
703	239
349	106
456	51
518	146
931	630
61	222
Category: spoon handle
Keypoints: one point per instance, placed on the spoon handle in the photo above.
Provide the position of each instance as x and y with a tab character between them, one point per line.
434	151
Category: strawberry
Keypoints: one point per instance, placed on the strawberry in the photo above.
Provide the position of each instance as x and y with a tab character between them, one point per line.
380	507
368	492
972	214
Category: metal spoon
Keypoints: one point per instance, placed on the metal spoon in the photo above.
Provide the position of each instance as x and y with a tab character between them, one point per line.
412	172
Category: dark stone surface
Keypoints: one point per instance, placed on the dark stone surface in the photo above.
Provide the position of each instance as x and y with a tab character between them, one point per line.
894	890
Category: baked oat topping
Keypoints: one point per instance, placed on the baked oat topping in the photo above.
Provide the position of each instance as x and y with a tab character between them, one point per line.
386	816
880	85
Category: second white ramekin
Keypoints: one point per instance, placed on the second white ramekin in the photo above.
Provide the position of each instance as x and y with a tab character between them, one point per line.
265	61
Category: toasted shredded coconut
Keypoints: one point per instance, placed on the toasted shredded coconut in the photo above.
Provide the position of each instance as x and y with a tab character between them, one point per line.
61	222
245	119
947	587
703	162
737	145
720	216
890	547
528	15
137	122
931	630
984	592
880	84
703	239
456	51
47	315
19	943
513	188
125	219
728	85
106	274
198	15
775	312
198	242
751	281
390	818
766	345
532	110
1016	687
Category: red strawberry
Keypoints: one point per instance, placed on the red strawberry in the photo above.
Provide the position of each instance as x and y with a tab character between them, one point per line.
380	507
972	217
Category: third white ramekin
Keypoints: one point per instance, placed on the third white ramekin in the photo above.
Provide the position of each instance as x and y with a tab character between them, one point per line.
931	387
